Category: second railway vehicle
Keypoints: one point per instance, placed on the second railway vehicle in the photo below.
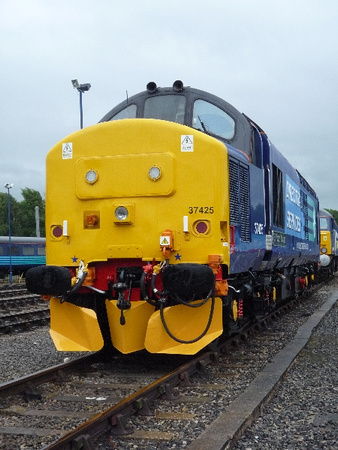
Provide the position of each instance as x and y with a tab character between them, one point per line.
21	254
328	242
170	223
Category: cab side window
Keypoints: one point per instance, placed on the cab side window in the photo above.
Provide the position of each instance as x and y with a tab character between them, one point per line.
256	147
127	113
323	223
212	120
278	204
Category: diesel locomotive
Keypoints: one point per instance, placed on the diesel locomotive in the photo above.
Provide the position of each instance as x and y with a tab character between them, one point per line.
169	224
328	243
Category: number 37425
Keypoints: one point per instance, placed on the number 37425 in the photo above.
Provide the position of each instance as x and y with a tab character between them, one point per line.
201	210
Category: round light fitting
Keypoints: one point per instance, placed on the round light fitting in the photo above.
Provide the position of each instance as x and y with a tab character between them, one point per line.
154	173
121	213
92	176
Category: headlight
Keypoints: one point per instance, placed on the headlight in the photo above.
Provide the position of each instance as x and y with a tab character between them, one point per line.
325	260
121	213
323	249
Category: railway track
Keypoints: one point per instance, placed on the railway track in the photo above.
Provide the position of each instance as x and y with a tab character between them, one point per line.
21	310
149	401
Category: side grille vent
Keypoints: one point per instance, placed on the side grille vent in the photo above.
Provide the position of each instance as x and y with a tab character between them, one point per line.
240	198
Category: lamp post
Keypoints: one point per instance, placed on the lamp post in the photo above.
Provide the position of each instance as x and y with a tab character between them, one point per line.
81	89
8	187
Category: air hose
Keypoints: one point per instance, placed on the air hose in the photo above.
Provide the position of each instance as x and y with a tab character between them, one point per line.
192	341
81	276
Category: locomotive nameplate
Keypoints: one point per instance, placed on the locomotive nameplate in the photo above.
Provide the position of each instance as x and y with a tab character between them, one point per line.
279	239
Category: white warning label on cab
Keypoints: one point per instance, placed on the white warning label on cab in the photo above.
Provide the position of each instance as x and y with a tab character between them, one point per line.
67	150
187	143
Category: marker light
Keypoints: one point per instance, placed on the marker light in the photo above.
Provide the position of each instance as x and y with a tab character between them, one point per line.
154	173
323	249
65	228
185	224
91	219
57	231
121	213
91	176
202	227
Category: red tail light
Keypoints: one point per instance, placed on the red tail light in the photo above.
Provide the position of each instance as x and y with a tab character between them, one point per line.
57	231
202	226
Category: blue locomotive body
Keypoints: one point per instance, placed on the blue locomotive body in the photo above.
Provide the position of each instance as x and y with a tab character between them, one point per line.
273	212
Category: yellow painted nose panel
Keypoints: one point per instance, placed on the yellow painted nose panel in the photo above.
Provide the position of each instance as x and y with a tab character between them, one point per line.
129	337
186	324
73	328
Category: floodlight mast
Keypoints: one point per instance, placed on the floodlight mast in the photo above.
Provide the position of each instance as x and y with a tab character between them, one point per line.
9	186
81	88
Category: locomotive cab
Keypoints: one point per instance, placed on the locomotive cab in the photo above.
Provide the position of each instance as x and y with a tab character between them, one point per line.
191	107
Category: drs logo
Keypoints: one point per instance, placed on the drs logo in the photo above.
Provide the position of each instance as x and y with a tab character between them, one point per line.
258	228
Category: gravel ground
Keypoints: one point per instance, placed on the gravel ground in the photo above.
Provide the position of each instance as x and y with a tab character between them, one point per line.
28	352
303	414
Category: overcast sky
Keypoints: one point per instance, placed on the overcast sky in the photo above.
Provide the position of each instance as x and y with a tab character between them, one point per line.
274	60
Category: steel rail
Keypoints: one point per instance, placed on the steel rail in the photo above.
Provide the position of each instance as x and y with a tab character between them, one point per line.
30	382
113	419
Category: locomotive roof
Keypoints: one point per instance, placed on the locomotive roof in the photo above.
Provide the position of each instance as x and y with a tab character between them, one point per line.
324	213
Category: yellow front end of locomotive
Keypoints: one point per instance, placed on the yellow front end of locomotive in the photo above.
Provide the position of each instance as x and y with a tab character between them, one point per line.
325	243
138	190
